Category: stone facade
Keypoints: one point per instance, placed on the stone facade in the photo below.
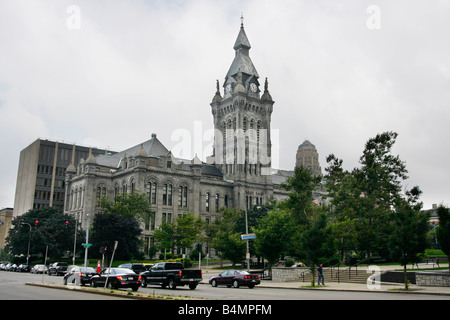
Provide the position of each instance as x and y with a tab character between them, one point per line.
308	157
238	175
283	274
433	279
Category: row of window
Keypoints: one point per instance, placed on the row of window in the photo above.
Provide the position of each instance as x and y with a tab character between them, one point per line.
49	170
167	195
45	195
47	182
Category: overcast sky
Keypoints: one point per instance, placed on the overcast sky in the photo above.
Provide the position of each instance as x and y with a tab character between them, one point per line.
108	74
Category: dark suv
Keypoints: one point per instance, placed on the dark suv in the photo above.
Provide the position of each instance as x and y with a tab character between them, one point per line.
136	267
58	268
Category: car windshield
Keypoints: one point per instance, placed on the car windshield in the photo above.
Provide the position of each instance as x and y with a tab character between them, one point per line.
83	269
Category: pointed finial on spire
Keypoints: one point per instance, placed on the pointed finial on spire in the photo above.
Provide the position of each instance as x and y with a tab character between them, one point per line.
266	95
217	97
242	19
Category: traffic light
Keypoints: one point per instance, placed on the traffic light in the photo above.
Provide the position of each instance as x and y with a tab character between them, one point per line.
36	223
67	223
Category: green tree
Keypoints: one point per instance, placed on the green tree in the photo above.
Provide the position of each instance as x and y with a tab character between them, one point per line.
188	230
274	235
316	243
53	229
224	235
184	232
134	204
230	246
380	180
165	236
120	221
408	237
443	230
366	195
300	199
109	227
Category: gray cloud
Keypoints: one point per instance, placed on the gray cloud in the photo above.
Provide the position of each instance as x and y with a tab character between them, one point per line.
137	67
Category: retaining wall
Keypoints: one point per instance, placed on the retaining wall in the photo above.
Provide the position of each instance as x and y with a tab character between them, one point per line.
433	279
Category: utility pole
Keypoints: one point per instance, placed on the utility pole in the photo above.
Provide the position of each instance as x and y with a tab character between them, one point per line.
86	247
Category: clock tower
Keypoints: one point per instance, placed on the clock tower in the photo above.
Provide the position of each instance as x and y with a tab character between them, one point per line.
242	117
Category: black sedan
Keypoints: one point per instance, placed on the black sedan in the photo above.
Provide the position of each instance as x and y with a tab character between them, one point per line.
79	275
116	278
235	278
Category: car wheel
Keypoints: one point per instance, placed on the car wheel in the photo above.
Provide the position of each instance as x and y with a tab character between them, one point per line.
235	284
251	286
172	284
143	282
135	288
192	286
110	285
214	283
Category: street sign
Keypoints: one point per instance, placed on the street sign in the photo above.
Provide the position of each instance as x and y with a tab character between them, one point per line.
248	236
86	245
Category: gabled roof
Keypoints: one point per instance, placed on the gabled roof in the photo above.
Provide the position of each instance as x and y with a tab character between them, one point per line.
153	148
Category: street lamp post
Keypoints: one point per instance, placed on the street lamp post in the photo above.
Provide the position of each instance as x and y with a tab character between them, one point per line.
247	255
87	241
29	239
75	241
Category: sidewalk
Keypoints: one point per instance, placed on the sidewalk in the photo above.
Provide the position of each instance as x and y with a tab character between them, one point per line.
382	287
343	286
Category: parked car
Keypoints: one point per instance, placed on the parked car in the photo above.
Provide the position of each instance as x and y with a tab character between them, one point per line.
235	278
58	268
23	268
39	268
171	274
136	267
79	275
116	278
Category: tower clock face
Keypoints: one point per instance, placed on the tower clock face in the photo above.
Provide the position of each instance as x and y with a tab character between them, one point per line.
253	87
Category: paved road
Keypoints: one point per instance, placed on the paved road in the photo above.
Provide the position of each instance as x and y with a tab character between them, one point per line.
12	286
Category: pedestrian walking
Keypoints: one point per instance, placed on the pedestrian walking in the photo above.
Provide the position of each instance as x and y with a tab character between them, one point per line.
320	275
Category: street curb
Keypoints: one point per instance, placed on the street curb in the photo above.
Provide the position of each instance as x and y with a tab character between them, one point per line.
122	294
411	291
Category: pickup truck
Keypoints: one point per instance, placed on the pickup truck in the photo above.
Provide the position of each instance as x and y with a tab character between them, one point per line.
171	274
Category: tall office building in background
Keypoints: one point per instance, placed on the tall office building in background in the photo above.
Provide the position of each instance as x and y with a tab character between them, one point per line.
41	173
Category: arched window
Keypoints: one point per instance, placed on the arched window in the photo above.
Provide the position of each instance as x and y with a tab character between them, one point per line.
207	201
217	202
182	196
226	201
167	194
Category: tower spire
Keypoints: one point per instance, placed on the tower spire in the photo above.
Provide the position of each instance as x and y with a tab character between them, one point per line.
242	20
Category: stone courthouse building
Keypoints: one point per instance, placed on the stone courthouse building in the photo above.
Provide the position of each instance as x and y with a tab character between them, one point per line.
238	176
